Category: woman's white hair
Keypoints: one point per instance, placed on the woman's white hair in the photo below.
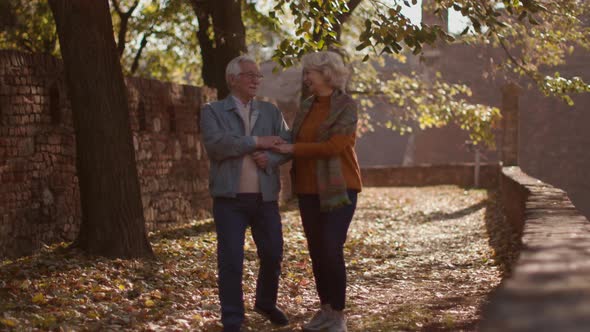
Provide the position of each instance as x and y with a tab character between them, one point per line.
233	67
331	66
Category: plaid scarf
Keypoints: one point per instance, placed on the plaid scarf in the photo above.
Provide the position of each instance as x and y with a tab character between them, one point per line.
342	120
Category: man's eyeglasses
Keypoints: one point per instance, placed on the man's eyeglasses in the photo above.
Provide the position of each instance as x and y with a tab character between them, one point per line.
252	76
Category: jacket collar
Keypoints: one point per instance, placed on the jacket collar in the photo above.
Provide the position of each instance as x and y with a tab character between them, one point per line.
229	104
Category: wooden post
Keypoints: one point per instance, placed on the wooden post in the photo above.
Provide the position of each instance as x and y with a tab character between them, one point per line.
509	142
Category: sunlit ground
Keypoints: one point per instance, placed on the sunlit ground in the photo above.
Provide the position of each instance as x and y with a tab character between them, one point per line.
418	259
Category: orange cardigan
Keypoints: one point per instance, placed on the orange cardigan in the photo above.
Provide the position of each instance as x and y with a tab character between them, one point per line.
307	150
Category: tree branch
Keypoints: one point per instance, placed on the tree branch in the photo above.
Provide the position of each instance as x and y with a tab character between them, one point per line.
142	45
342	18
124	17
117	7
512	59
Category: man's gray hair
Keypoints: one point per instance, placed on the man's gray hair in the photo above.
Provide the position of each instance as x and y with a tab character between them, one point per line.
331	66
233	67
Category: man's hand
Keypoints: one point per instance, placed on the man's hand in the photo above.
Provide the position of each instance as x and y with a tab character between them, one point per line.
260	158
283	148
267	142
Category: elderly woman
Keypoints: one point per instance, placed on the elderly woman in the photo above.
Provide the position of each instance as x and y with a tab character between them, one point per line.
326	179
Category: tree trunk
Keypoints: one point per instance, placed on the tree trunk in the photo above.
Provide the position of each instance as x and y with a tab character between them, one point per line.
112	215
229	38
343	18
7	16
203	14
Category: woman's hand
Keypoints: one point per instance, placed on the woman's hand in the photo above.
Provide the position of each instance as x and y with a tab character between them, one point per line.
283	148
267	142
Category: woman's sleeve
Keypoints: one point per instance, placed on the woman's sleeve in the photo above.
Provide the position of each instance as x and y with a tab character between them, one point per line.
330	148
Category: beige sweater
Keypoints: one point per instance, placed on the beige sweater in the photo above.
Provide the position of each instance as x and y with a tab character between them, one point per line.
249	182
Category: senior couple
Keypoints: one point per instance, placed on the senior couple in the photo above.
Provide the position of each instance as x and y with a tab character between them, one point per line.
246	140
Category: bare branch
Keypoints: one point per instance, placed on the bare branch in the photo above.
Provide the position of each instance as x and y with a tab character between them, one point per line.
511	57
124	23
142	45
117	7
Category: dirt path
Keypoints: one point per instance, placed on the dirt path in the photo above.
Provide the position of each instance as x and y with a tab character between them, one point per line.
418	259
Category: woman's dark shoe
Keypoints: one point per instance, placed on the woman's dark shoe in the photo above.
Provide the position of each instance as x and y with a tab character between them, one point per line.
274	315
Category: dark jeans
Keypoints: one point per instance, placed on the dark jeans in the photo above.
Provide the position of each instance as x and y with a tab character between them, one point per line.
232	216
326	234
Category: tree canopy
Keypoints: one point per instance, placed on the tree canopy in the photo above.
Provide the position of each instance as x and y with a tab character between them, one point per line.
28	26
534	33
187	42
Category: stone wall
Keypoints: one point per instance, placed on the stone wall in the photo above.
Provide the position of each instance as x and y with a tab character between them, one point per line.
430	175
549	288
39	197
38	184
172	165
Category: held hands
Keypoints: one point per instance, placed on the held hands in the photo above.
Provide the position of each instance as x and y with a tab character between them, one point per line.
273	143
283	148
267	142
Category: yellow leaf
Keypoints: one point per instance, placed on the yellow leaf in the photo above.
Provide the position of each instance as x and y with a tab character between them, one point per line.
121	287
93	315
149	303
10	322
156	294
39	298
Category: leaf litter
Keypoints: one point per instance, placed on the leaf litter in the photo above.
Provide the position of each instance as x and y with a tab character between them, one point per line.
418	259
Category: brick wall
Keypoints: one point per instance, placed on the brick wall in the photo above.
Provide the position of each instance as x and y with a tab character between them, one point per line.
172	165
39	197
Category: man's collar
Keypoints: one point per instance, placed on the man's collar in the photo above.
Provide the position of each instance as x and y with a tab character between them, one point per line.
231	102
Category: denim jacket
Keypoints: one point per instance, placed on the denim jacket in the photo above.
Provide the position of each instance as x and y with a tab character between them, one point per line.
223	134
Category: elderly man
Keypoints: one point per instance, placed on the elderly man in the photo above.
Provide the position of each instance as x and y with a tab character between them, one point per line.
244	182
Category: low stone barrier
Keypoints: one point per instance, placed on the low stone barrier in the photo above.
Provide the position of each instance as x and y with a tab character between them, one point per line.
549	289
462	175
549	285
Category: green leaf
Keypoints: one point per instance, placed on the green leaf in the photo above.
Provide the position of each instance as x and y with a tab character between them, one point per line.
320	45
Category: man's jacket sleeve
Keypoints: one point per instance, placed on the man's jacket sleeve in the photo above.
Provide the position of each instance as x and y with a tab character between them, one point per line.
282	130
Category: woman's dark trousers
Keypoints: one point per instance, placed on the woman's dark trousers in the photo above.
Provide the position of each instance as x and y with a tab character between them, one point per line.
326	234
